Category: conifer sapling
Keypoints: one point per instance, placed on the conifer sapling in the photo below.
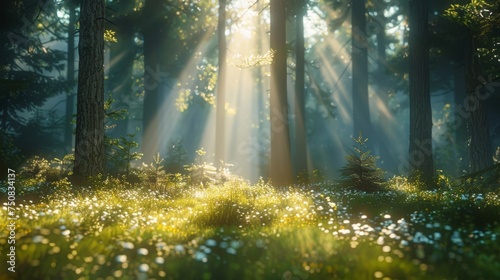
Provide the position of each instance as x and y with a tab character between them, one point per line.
360	171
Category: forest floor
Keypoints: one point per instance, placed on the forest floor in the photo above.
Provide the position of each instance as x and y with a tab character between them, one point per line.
236	230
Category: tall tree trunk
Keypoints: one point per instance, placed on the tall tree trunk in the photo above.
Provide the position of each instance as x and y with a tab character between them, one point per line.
89	143
281	167
385	122
122	56
480	153
70	77
153	33
262	88
220	133
421	161
460	122
360	103
300	130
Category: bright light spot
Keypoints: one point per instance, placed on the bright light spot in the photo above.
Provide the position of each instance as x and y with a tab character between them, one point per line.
211	243
127	245
121	258
142	251
144	267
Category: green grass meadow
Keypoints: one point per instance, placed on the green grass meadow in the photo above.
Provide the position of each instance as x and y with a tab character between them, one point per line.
238	230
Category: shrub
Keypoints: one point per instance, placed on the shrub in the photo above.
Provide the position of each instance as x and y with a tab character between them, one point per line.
153	174
121	153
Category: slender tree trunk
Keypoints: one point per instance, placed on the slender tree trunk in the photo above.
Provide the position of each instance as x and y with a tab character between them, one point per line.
221	90
70	77
480	153
460	122
360	103
421	161
300	129
154	33
281	167
89	143
121	66
262	87
385	123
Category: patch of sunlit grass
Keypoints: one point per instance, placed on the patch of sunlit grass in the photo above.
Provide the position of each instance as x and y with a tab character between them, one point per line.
243	231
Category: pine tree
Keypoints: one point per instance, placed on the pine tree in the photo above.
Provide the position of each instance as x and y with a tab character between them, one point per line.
361	171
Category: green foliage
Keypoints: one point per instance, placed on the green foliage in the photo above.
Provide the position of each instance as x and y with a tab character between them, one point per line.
204	173
446	154
39	176
36	169
121	153
111	113
176	157
255	60
40	133
64	165
203	93
153	174
360	171
488	178
102	182
483	19
402	184
475	15
10	156
29	66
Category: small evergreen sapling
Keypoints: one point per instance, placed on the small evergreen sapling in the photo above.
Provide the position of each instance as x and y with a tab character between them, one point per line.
361	171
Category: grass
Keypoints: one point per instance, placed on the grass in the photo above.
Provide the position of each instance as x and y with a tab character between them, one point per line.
235	230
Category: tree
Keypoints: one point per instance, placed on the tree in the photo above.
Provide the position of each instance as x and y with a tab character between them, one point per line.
122	57
154	32
220	133
386	123
361	171
480	154
360	102
70	76
281	167
481	20
173	35
421	161
300	129
89	141
24	64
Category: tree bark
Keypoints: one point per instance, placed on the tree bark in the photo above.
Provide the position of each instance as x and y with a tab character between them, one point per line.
220	131
480	154
89	142
360	102
300	129
421	161
281	167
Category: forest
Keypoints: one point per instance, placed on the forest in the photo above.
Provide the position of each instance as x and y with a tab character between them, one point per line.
250	139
